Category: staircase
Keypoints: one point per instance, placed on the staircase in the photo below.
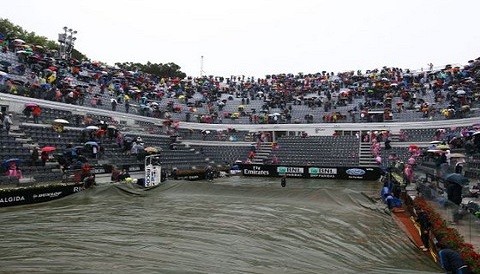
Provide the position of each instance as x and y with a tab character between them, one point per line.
365	157
21	137
263	153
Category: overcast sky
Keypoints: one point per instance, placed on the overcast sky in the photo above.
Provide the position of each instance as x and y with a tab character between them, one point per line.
259	37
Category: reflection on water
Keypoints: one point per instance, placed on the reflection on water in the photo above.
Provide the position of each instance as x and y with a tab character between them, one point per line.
233	225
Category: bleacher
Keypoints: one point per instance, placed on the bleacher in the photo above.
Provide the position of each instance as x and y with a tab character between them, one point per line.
318	150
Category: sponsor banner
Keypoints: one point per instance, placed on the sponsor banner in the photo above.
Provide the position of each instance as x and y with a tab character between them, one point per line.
37	193
108	168
344	173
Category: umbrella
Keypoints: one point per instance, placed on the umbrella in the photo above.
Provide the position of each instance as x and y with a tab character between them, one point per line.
3	73
112	127
92	128
443	147
5	63
19	41
151	149
60	121
461	92
24	52
6	163
456	178
77	148
46	86
31	105
457	155
435	142
91	143
48	149
436	151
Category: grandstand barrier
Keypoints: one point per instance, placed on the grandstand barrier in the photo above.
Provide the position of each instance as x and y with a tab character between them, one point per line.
312	172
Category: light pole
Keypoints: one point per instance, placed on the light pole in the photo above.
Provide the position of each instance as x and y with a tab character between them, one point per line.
67	41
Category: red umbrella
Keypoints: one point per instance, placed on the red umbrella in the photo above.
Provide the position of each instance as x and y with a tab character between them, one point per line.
48	149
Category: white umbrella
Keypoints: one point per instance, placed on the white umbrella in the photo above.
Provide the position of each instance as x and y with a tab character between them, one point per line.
92	127
3	73
461	92
435	151
19	41
61	121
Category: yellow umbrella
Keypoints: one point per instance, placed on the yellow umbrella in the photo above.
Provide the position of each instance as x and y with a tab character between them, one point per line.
151	149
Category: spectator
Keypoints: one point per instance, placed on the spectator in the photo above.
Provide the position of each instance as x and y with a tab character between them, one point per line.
425	226
114	104
36	114
451	261
127	105
44	157
34	156
124	175
115	174
7	122
14	171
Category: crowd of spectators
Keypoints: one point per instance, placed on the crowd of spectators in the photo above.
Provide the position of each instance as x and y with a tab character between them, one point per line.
372	95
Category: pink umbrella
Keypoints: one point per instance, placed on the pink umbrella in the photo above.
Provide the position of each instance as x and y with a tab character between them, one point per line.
411	161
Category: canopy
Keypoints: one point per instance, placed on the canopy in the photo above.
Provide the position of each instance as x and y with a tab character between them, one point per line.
456	178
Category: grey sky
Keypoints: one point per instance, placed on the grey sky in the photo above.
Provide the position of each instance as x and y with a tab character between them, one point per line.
258	37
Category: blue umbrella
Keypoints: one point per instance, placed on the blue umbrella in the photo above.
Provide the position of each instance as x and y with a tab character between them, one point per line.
46	86
456	178
6	163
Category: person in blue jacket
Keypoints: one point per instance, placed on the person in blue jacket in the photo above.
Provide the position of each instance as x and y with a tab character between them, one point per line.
451	261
